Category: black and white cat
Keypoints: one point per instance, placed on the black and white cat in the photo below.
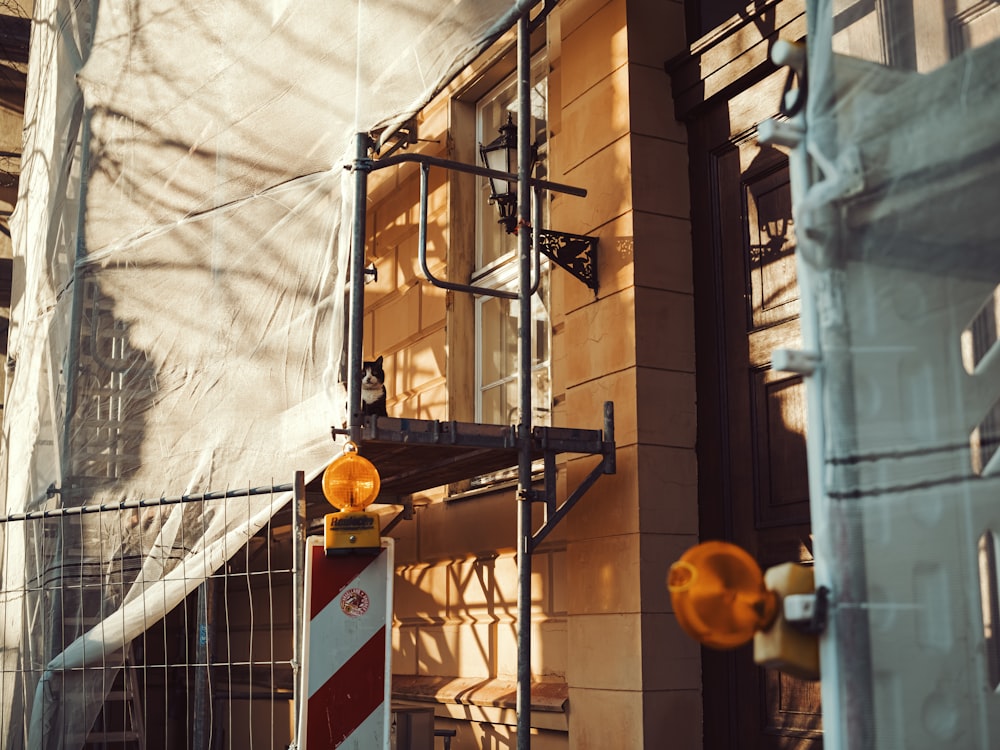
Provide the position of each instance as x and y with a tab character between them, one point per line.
373	389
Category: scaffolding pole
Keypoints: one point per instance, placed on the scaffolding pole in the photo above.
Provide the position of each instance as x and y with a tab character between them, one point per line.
837	517
362	166
523	704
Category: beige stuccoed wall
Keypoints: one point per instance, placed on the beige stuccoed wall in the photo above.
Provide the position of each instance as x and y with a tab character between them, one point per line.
601	624
634	678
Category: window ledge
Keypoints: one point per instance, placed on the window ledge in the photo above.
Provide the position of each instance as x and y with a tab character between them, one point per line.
537	478
552	697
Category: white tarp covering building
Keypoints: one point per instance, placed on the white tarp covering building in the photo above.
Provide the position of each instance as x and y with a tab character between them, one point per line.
177	314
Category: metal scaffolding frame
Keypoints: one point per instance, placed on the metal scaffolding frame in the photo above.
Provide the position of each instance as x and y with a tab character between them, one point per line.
528	442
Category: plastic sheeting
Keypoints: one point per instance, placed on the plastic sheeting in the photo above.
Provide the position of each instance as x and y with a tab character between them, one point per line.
178	314
896	191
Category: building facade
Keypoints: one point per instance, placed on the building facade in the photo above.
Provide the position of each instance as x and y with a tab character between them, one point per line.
652	108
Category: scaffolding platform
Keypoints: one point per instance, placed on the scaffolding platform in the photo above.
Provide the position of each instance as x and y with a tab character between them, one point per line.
413	455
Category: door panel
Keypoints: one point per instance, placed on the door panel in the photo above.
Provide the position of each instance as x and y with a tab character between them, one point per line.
779	423
752	460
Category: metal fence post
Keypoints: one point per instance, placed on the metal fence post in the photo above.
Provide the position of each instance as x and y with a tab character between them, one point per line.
299	529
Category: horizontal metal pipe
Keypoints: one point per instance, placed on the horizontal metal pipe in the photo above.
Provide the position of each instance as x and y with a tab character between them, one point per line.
454	285
145	503
458	166
422	250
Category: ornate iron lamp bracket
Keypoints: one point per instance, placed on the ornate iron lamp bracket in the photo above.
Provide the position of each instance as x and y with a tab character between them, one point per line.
577	253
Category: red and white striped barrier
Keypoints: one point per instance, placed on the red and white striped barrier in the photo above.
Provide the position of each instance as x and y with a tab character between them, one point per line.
348	641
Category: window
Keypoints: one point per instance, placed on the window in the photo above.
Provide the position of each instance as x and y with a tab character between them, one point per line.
497	325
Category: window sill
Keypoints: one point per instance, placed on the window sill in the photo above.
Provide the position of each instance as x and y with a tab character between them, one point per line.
537	478
551	697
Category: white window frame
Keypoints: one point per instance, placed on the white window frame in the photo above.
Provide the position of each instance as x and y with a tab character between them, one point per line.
507	279
502	272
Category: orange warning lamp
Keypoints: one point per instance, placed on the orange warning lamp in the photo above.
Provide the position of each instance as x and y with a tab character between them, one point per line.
350	484
718	593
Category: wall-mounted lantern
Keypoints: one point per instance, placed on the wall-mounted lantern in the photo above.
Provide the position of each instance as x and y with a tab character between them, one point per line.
500	155
576	253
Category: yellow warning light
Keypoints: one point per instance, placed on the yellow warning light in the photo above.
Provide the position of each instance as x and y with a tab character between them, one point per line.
718	593
351	482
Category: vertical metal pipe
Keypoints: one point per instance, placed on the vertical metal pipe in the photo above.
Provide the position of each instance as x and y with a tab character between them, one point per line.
76	314
362	166
299	528
838	524
845	519
610	460
55	638
422	230
54	630
524	429
201	721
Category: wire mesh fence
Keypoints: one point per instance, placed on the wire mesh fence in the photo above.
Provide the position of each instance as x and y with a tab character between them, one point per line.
218	670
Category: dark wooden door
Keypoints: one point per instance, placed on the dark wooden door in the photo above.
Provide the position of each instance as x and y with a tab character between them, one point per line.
751	421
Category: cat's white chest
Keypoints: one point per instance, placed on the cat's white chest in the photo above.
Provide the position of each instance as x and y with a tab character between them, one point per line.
370	393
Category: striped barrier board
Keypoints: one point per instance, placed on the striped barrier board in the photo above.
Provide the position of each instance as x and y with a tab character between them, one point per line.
347	635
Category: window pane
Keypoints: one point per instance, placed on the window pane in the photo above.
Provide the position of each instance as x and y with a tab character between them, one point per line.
541	406
492	405
511	403
494	242
542	331
499	349
500	403
511	338
499	344
494	354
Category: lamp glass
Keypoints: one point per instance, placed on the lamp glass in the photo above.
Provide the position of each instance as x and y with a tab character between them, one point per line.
499	160
500	155
718	595
351	482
